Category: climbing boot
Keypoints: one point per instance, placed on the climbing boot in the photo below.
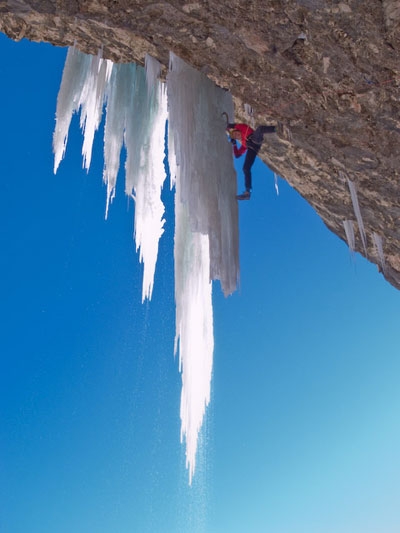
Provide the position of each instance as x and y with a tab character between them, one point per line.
244	196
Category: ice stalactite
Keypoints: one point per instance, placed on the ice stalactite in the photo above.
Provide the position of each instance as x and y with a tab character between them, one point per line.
83	86
357	212
249	112
119	102
194	338
206	238
276	183
205	166
136	111
136	115
145	172
349	231
379	250
68	101
92	101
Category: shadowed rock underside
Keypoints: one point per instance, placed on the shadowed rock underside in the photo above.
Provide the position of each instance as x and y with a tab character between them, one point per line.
327	72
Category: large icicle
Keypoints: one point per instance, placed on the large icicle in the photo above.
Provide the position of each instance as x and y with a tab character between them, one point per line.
137	109
357	212
145	172
194	328
206	231
205	160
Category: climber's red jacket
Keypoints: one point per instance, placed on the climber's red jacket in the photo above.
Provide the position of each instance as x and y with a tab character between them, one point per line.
245	131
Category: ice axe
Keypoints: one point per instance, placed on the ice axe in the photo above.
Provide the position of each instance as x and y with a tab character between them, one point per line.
228	127
225	114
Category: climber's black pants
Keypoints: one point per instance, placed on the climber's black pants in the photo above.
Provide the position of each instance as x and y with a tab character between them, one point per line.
254	142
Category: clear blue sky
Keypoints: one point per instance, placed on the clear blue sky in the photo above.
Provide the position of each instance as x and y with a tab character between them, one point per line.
302	434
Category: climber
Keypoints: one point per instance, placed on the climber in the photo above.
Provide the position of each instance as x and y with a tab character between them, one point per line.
251	141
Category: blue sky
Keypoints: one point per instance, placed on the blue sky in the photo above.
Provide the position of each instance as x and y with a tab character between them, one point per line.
302	434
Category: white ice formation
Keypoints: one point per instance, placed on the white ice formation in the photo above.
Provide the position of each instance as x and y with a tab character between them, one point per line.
349	231
200	161
379	250
249	112
81	87
204	165
276	183
206	238
357	212
136	116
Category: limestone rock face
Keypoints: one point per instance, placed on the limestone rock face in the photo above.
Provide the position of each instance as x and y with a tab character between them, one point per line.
328	72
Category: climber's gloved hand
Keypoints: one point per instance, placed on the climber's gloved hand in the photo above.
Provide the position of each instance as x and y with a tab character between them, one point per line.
233	141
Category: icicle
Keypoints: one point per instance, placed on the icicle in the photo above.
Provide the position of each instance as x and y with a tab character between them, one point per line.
276	183
172	162
136	114
119	98
379	250
349	230
209	185
153	72
206	231
194	328
357	212
68	100
83	85
137	108
145	172
92	101
250	114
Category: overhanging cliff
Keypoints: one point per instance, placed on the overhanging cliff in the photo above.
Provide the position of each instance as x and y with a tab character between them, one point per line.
327	71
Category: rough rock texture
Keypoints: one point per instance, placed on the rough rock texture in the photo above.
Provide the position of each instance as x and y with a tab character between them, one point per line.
327	71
